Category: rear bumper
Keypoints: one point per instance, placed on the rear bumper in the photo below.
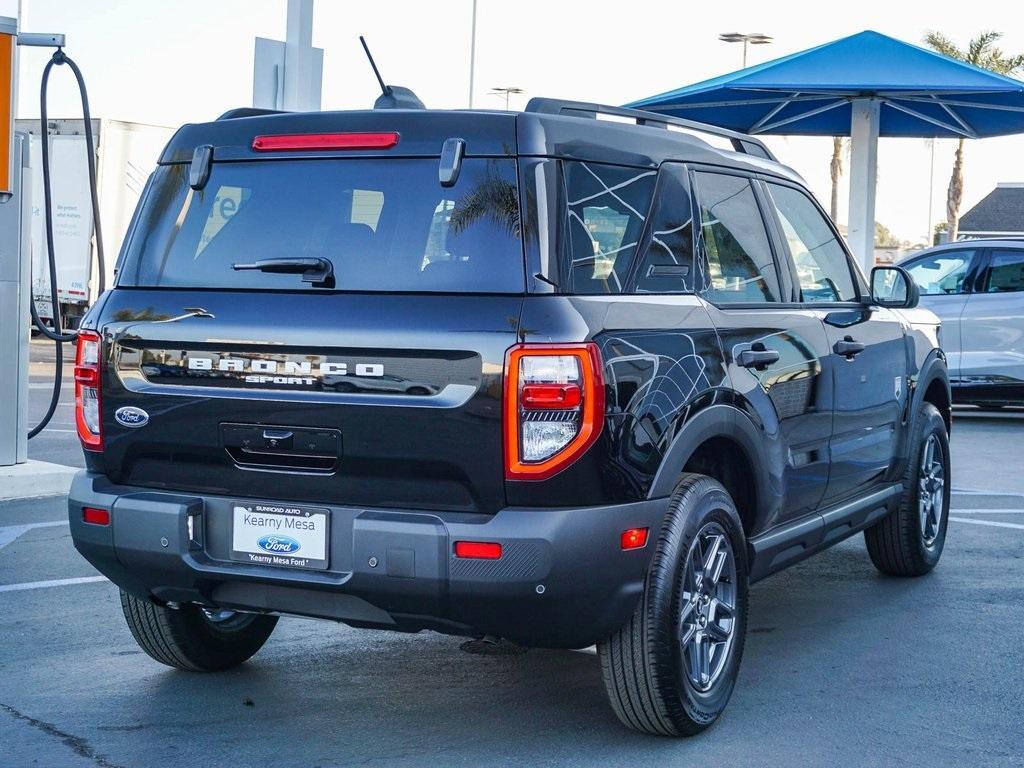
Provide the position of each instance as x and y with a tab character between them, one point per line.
562	580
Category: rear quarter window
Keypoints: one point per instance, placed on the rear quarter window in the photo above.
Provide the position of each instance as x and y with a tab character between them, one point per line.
385	225
607	207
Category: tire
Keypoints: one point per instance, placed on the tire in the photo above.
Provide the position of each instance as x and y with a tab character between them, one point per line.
191	639
909	541
649	682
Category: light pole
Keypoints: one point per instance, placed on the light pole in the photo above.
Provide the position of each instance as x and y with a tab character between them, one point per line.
472	54
753	38
506	92
930	235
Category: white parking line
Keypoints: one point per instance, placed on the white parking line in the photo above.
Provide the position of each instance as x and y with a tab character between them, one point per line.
53	583
9	533
991	523
976	492
987	511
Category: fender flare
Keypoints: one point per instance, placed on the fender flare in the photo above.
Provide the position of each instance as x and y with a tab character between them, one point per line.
933	368
717	421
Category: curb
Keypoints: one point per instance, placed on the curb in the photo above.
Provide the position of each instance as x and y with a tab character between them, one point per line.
34	479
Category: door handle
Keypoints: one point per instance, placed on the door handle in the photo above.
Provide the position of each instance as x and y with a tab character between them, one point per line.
757	357
848	348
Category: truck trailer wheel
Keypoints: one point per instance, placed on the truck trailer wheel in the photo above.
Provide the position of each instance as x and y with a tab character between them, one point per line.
193	638
671	669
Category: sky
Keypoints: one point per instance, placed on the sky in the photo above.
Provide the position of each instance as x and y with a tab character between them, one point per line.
168	62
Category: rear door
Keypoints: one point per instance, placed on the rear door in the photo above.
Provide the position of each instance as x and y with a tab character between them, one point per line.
945	279
383	390
867	351
992	328
774	348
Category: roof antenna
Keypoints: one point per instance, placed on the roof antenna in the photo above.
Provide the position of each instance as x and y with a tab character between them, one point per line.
384	89
392	96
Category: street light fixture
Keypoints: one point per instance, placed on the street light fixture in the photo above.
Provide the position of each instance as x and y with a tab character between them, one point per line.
753	38
506	92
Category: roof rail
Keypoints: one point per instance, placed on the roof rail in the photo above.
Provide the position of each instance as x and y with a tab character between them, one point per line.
248	112
741	142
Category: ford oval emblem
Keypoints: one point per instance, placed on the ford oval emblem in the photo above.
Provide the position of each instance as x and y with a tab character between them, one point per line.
130	416
278	545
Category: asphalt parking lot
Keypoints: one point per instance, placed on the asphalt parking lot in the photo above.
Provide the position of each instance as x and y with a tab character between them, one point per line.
842	666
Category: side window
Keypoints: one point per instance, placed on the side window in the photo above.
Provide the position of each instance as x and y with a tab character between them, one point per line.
607	208
666	265
822	267
735	264
1005	272
942	273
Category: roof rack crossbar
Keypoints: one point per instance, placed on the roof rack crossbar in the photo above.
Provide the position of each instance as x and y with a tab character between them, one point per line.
741	142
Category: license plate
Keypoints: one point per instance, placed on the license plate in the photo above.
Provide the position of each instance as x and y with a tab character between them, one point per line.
275	534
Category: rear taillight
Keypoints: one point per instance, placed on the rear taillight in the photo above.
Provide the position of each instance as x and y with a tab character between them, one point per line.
554	407
87	391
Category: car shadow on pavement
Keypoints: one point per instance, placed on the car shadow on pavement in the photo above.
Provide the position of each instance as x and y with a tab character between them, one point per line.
367	696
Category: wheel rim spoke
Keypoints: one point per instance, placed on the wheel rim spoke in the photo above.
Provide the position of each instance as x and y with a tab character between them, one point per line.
686	634
717	633
931	498
687	609
714	573
715	546
704	654
707	611
692	651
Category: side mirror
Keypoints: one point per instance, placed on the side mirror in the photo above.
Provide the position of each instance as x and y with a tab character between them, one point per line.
894	287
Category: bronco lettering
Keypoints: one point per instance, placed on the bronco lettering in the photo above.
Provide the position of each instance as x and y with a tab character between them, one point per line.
260	368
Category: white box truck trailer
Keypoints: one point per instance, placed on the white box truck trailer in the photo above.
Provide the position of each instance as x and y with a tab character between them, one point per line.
126	153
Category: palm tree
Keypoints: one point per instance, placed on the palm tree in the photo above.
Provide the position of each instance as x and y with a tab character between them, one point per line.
492	198
839	144
981	52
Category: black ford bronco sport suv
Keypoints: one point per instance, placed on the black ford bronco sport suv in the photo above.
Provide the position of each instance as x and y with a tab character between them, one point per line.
544	376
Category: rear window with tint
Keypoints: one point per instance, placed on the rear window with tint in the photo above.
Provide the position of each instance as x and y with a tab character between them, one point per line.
385	225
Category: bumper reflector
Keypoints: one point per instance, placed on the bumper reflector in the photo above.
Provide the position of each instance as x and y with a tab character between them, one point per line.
478	550
634	538
95	516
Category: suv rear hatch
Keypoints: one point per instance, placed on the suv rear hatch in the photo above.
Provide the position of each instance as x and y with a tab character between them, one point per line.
383	390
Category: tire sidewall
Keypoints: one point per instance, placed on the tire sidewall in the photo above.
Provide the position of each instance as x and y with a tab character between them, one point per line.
930	423
699	503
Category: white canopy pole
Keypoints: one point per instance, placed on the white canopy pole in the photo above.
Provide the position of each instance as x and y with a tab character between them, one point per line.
864	128
298	58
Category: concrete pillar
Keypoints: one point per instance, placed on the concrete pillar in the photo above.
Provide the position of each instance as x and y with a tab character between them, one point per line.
298	57
864	128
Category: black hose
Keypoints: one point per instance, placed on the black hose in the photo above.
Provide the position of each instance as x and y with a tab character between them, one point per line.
58	337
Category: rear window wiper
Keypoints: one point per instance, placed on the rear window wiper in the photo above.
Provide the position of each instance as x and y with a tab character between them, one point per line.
319	272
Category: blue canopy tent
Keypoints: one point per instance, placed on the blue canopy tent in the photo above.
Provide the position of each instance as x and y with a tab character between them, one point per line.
863	86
